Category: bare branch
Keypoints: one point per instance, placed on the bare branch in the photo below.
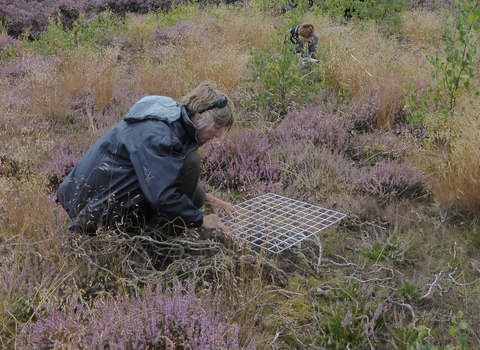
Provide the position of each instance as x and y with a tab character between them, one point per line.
432	285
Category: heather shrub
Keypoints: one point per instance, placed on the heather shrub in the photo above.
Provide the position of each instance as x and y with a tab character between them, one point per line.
431	4
58	39
323	126
390	181
8	45
173	318
363	112
242	162
30	269
367	149
314	173
24	16
62	162
360	210
311	144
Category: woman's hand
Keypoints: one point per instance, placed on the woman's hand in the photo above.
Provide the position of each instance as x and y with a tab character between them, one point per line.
212	222
217	204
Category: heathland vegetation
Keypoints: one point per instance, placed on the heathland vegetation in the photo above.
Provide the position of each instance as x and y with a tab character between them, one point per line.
384	129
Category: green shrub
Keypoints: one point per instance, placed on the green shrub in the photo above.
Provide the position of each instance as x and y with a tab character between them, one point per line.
57	39
385	10
279	81
453	68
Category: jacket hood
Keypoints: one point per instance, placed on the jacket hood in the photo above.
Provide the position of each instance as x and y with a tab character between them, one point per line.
155	108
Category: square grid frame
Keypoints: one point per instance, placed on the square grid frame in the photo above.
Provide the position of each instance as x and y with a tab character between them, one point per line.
276	223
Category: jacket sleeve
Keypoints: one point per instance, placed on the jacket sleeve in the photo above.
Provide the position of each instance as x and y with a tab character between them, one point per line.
312	48
289	36
157	161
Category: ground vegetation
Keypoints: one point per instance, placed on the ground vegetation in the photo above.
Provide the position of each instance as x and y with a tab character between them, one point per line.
385	129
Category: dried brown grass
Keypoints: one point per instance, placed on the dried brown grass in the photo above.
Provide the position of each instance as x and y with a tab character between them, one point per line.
422	28
219	55
364	62
25	209
80	73
455	172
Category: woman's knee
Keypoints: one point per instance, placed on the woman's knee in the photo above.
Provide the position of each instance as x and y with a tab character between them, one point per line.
200	196
191	163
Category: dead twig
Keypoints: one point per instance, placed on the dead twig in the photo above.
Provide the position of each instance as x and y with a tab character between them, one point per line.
433	285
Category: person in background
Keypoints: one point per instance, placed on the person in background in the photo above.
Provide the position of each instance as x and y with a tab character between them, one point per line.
304	39
146	169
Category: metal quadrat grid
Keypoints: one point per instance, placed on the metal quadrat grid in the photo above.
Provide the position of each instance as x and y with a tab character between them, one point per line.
276	223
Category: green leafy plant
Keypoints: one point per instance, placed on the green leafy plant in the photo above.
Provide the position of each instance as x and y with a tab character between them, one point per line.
453	69
474	237
350	326
58	39
418	340
279	81
380	252
459	325
409	292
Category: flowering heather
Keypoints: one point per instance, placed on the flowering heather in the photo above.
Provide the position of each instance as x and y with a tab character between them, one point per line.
159	319
60	167
432	4
8	45
364	113
370	148
22	287
241	162
21	15
25	75
390	181
321	126
27	66
14	70
363	209
135	6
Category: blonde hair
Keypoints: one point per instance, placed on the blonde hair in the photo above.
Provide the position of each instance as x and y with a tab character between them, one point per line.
203	96
306	30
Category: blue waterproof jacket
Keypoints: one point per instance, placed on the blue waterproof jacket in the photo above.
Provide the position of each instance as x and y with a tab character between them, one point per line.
138	161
